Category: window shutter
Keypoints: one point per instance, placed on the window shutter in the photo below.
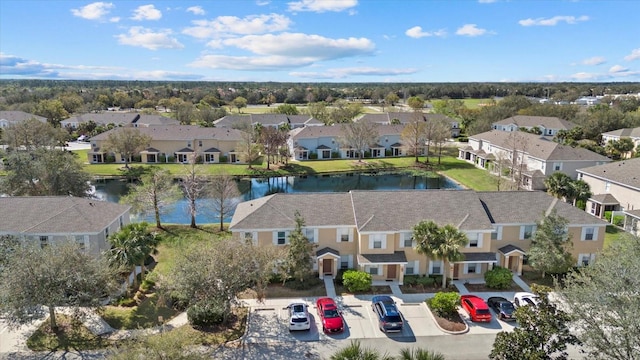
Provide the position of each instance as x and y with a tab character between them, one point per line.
87	242
275	238
351	235
480	236
466	269
499	232
595	233
350	261
315	236
522	232
583	233
254	238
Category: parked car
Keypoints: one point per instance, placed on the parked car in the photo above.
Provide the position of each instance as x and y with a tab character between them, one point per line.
502	307
330	316
83	138
389	318
298	316
525	298
476	307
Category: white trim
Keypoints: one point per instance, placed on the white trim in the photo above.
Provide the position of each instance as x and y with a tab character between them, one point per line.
431	262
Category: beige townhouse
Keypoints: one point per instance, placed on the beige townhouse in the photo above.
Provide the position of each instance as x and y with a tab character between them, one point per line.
372	230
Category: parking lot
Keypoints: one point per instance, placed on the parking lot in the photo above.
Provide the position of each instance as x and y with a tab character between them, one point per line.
269	322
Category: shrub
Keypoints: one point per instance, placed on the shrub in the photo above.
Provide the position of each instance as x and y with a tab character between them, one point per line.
444	303
147	285
224	159
462	139
206	314
411	280
178	301
313	156
340	274
498	278
437	279
309	282
127	302
355	280
335	155
618	220
425	281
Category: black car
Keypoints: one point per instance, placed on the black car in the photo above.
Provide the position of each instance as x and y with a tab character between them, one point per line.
503	308
389	318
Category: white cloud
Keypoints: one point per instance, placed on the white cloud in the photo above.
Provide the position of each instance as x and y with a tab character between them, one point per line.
146	38
146	12
635	55
416	32
93	11
618	69
114	19
584	76
250	63
486	1
227	25
596	60
196	10
322	5
553	21
341	73
470	30
297	45
262	2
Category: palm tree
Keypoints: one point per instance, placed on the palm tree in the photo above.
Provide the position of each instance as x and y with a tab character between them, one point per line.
419	354
558	184
131	246
356	352
579	190
440	243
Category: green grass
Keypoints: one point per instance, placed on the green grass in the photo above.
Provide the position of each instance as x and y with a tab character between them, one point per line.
142	316
71	336
611	235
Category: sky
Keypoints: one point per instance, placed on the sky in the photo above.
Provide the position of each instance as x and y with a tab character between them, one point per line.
322	40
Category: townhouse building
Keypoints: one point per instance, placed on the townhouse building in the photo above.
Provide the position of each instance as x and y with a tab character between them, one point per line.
8	118
118	119
271	120
404	118
616	135
549	126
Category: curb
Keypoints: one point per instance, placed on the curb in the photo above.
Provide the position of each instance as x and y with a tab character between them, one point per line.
466	329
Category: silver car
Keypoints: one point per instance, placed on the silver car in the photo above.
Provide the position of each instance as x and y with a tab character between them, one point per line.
298	316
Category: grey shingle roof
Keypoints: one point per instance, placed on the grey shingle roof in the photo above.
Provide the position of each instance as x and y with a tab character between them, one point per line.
267	119
19	116
105	118
533	121
56	214
396	257
182	132
480	257
403	117
327	250
538	147
527	207
626	132
625	172
402	210
606	199
312	132
507	249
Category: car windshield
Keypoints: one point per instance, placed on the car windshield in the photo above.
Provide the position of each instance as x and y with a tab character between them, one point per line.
482	311
507	306
393	318
331	313
298	308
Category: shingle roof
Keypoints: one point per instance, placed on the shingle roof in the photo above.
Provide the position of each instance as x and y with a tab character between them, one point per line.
480	257
182	132
396	257
528	207
626	132
547	122
538	147
267	119
19	116
507	249
401	210
605	199
104	118
403	117
625	172
156	120
327	250
312	132
56	214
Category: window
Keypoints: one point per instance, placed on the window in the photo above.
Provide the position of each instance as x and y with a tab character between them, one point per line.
585	259
248	237
121	222
345	261
407	240
527	231
106	233
409	270
189	144
496	234
372	270
436	267
473	240
44	241
343	235
377	241
589	233
80	241
557	166
309	234
282	237
200	143
472	268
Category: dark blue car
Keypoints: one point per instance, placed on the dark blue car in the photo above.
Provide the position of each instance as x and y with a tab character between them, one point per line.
389	318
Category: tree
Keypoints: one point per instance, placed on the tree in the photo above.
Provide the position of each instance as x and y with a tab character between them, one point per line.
415	103
272	140
53	110
127	142
225	195
239	103
299	260
441	132
56	275
287	109
32	134
413	136
617	149
541	334
318	110
194	186
355	351
440	243
603	301
131	246
391	99
558	184
8	245
184	113
217	271
579	190
549	251
44	172
419	354
155	193
249	149
169	345
359	136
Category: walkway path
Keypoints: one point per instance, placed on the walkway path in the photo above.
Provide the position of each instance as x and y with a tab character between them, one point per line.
329	287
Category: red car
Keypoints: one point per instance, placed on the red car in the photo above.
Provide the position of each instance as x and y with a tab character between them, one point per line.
330	317
477	308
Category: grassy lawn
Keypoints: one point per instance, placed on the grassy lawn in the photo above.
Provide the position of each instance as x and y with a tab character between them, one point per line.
611	235
71	336
142	316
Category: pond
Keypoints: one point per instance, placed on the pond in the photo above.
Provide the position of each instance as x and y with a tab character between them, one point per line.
113	189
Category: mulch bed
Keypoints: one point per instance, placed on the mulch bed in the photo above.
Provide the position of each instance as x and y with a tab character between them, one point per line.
455	323
483	288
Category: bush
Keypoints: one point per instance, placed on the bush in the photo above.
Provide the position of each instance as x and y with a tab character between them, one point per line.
224	159
126	302
206	314
444	303
178	301
356	281
425	281
335	155
147	285
411	280
309	282
437	279
313	156
618	220
498	278
340	274
462	139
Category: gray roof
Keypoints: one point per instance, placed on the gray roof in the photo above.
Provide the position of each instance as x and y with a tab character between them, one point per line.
267	120
19	116
626	172
105	118
401	210
528	207
396	257
403	117
313	132
156	120
538	147
56	215
605	199
626	132
278	211
327	250
547	122
634	213
182	132
507	249
480	257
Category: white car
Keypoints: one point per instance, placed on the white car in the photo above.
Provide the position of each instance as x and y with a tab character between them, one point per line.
525	298
299	316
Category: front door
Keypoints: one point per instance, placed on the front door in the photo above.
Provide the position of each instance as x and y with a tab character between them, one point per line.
327	266
391	272
456	270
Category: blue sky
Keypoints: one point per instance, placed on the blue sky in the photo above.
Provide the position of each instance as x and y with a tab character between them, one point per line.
322	40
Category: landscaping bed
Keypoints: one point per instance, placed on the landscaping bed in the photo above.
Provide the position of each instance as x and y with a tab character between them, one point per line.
70	336
484	288
453	324
217	334
375	290
144	315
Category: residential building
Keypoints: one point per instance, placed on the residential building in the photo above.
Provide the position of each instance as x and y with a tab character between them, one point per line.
273	120
549	126
615	187
118	119
8	118
392	118
372	230
177	144
616	135
531	157
50	219
323	142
